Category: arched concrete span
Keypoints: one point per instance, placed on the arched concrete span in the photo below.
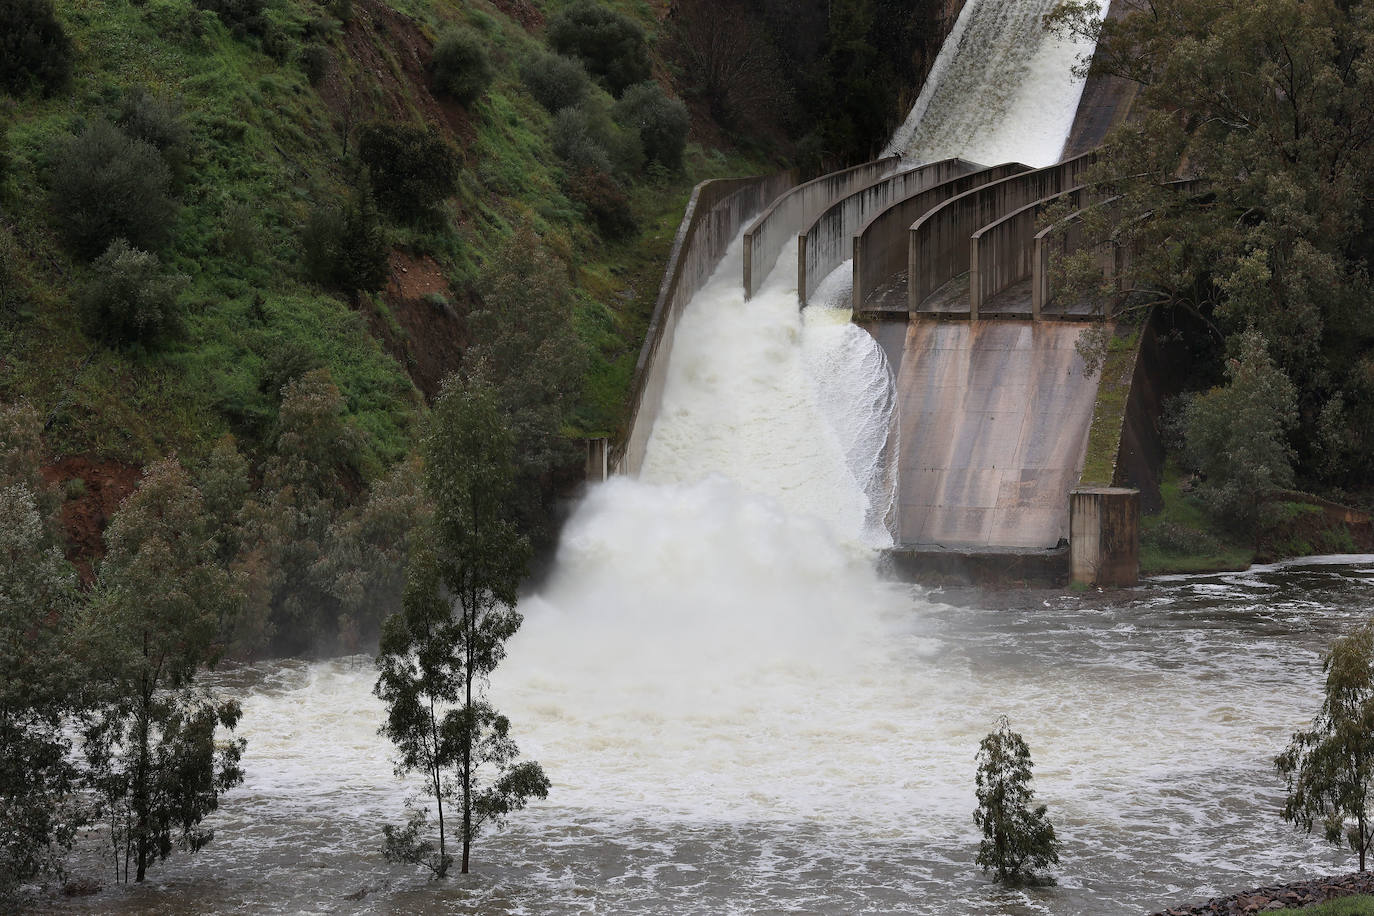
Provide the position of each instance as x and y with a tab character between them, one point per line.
1056	240
788	214
827	242
938	246
1002	256
880	245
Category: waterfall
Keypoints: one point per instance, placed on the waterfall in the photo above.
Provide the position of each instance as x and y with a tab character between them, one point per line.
1001	89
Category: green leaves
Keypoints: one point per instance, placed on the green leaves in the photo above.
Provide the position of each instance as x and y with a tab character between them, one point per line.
1018	840
1330	767
457	613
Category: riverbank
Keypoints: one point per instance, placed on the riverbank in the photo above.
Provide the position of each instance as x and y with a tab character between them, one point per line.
1280	898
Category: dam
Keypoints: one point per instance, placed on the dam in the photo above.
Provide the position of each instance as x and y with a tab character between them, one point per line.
942	259
740	713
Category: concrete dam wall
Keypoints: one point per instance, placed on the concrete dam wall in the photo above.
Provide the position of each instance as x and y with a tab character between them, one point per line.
994	419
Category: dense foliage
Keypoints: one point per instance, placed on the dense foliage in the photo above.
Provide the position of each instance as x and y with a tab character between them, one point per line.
1267	105
460	65
1018	842
610	44
34	49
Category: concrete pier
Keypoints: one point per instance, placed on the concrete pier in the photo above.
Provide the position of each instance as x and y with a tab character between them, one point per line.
1104	540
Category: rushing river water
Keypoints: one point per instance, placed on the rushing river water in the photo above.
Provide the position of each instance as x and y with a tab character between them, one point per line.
796	760
741	716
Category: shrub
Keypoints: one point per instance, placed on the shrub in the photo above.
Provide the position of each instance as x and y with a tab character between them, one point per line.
34	50
1172	537
129	297
343	247
107	185
586	138
460	66
315	60
606	203
240	17
157	121
412	168
555	81
661	120
1237	436
611	44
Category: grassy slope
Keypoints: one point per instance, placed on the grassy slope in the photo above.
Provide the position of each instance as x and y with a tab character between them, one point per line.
265	149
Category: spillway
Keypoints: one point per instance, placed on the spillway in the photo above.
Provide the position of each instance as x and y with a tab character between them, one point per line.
740	715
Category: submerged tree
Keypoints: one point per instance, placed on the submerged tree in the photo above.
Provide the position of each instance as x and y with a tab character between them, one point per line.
1330	767
1018	840
152	623
457	613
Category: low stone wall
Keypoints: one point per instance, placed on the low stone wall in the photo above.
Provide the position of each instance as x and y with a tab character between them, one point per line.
829	241
715	213
880	245
786	216
938	244
1002	253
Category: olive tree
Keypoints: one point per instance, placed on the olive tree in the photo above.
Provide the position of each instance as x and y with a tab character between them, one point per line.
457	613
1018	839
1330	767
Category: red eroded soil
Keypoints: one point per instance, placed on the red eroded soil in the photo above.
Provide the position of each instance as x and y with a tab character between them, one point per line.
434	334
522	11
84	517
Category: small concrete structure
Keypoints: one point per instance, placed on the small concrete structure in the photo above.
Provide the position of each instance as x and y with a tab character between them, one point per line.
1104	536
598	460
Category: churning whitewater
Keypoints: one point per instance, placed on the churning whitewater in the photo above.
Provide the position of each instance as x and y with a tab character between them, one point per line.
741	716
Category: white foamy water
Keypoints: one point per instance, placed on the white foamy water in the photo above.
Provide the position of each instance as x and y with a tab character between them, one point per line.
740	716
1001	89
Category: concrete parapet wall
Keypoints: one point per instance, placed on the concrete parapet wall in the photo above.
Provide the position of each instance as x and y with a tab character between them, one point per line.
829	241
1057	240
715	213
880	245
1002	253
790	213
1104	536
938	244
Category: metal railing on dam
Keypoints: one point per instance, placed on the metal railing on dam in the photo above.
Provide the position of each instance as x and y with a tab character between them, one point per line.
714	215
799	207
827	242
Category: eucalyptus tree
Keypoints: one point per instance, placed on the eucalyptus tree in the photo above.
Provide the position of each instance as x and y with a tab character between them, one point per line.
1330	767
1018	839
458	611
151	624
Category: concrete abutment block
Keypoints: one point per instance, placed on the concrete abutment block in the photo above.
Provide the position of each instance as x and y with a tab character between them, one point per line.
1104	536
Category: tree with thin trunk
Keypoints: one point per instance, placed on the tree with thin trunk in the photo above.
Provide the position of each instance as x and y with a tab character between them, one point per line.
458	611
1018	839
1330	767
153	621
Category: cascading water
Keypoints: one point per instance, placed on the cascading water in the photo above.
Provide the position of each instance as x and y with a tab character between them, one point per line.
1001	89
740	716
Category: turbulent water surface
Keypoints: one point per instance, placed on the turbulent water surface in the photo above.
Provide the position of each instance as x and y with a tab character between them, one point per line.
740	715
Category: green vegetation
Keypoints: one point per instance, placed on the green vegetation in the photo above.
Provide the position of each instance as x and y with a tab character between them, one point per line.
1348	906
1018	843
1264	262
34	49
438	652
610	44
1109	412
460	65
1330	768
1181	538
